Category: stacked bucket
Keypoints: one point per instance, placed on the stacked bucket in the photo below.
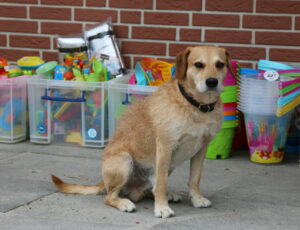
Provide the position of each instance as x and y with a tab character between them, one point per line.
220	146
266	129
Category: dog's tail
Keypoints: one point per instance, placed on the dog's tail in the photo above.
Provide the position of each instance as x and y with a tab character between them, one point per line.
78	188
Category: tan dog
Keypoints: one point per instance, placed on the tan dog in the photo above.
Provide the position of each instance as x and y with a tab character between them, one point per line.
174	124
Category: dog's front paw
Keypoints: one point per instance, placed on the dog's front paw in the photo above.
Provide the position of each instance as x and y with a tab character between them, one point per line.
175	198
126	205
200	202
163	211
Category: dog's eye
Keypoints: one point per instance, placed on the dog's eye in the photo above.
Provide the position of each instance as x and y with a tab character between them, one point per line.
199	65
220	65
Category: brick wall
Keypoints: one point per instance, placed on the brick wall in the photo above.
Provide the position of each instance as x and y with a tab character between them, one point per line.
249	29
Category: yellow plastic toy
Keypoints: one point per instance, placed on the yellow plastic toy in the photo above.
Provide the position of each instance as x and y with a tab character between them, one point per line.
74	137
30	61
62	109
29	64
155	71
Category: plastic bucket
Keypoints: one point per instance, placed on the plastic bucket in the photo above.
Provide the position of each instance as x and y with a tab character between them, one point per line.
266	135
47	69
220	146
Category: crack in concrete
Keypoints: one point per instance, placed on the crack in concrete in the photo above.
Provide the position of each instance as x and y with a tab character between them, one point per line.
61	155
14	156
28	203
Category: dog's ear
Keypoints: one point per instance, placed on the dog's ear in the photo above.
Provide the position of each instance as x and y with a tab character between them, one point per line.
181	63
228	62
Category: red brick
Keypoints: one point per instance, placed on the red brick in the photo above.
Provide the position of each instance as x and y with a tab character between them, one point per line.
277	38
179	4
121	31
50	13
18	26
285	55
246	65
95	15
127	62
216	20
229	5
54	42
267	22
144	48
246	53
60	28
21	1
193	35
283	6
156	33
170	60
133	4
99	3
13	11
228	36
3	40
14	55
50	56
131	17
175	48
297	23
63	2
166	18
29	41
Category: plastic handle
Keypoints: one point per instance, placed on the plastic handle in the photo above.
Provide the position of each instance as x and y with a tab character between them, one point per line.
48	98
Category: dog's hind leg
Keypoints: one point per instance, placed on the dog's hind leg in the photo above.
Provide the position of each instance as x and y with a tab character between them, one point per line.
116	171
137	194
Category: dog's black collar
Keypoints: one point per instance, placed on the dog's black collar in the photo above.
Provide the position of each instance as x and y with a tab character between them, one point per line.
202	107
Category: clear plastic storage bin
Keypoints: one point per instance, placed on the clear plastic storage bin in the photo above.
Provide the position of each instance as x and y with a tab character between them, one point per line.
68	112
13	105
121	95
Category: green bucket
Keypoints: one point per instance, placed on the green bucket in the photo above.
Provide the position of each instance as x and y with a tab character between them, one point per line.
228	97
220	146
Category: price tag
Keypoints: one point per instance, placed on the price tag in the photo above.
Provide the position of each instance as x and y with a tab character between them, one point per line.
271	75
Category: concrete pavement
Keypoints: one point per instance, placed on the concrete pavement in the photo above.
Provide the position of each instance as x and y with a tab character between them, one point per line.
244	195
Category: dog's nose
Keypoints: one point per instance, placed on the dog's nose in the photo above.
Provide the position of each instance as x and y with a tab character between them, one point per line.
211	82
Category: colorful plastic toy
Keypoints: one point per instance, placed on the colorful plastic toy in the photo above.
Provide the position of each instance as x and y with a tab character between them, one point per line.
152	72
29	64
62	109
74	137
14	71
47	69
3	68
77	60
59	72
11	114
68	76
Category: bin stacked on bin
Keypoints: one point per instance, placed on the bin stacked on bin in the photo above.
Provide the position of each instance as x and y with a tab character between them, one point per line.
220	146
266	133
